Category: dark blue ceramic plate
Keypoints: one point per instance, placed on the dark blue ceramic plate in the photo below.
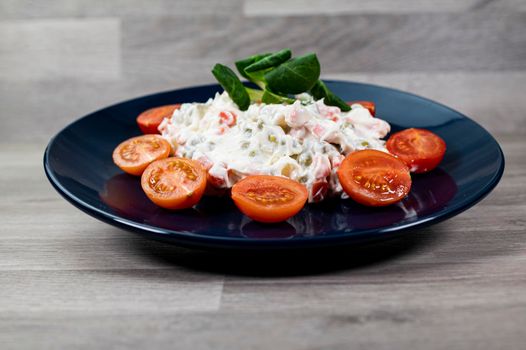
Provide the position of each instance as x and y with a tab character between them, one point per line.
79	165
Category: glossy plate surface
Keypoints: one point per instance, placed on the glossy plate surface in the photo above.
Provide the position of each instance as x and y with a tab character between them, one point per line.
78	163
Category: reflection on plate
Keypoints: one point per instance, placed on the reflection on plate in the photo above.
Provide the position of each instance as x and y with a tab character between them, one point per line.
79	166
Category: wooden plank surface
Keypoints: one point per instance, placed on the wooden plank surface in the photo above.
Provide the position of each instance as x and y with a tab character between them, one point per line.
65	48
313	7
70	281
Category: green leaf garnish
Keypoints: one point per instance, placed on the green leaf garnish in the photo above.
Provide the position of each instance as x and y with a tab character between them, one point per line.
278	77
232	85
294	76
242	64
255	95
269	98
271	61
320	90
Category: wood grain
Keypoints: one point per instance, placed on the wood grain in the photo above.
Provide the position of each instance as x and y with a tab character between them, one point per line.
313	7
10	9
70	281
469	41
65	48
335	330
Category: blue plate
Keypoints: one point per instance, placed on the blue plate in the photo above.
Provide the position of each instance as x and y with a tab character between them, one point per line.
79	165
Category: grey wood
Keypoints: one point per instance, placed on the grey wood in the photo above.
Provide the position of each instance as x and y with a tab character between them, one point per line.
337	7
65	48
16	9
463	328
70	281
471	41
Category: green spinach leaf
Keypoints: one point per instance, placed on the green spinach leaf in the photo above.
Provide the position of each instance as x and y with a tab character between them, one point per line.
269	98
242	64
320	90
294	76
271	61
255	95
231	83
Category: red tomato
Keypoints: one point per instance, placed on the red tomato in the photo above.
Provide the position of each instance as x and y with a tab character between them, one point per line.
268	198
135	154
150	119
420	149
366	104
374	178
174	183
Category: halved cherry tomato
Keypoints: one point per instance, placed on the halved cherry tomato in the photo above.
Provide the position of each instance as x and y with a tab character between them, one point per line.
420	149
135	154
150	119
174	183
268	198
374	178
366	104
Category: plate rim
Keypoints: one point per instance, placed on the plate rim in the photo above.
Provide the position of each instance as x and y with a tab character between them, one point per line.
191	239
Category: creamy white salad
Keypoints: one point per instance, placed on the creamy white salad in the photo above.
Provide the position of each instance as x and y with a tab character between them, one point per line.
305	141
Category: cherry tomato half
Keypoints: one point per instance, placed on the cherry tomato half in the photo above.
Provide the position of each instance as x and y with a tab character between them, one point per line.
135	154
268	198
374	178
150	119
421	150
174	183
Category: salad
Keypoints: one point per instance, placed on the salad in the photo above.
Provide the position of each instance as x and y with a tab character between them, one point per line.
275	147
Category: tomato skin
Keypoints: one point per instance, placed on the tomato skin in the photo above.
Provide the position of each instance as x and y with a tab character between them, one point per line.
420	149
374	178
174	183
135	154
366	104
150	119
269	199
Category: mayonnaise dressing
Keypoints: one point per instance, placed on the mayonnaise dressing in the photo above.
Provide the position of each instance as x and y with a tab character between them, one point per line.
305	141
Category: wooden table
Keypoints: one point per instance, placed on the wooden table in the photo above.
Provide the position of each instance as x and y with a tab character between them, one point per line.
70	281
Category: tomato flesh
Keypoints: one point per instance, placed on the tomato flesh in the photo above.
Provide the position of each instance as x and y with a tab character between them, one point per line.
174	183
150	119
374	178
420	149
269	199
135	154
366	104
